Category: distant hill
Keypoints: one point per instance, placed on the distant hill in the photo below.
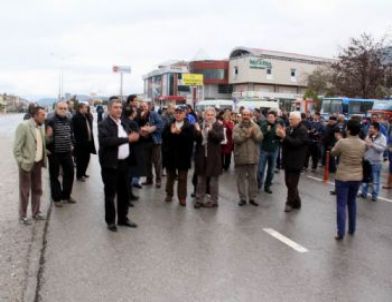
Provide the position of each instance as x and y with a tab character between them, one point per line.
45	102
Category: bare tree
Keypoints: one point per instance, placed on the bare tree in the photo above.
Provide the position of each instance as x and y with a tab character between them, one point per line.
360	71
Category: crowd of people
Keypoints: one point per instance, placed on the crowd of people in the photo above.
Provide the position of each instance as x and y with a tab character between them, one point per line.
135	141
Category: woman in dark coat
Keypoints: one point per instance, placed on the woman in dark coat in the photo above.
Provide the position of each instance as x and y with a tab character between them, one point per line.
208	163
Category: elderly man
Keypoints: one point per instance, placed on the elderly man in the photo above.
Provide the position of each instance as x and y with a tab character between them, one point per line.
30	154
247	137
208	162
114	155
178	137
294	150
60	144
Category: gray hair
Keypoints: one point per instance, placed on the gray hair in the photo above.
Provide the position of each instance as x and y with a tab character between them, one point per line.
295	114
210	109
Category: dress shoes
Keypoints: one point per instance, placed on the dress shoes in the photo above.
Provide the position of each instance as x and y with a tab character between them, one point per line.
242	203
253	203
87	176
112	227
182	202
128	224
133	197
158	185
70	200
267	190
338	238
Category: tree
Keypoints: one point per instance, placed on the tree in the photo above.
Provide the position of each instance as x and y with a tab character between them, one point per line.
319	83
360	71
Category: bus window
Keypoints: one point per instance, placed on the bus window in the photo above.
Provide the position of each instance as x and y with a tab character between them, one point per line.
336	106
326	106
355	108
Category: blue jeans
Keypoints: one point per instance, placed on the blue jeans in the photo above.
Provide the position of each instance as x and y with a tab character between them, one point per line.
270	159
346	194
376	172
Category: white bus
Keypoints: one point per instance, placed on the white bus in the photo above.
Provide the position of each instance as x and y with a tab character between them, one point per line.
218	104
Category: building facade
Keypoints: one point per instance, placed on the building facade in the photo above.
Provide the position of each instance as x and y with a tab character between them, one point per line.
259	73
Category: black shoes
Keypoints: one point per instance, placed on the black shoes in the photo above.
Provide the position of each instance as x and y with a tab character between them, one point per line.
133	198
128	224
267	190
338	238
112	227
242	203
253	203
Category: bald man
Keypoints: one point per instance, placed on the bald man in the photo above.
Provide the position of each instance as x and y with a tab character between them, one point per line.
294	149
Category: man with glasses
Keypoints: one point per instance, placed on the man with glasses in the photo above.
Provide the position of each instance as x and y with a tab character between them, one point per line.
60	145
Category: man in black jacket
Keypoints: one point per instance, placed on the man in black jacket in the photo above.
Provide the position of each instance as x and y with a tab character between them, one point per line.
114	155
84	141
294	150
178	137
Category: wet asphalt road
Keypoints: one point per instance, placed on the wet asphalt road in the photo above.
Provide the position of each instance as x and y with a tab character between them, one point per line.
224	254
183	254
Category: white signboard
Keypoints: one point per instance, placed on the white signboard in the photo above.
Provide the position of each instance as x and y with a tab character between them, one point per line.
123	69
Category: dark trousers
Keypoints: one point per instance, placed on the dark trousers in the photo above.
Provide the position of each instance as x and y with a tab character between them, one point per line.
64	160
115	182
292	179
181	185
153	157
226	161
30	181
82	159
346	194
314	154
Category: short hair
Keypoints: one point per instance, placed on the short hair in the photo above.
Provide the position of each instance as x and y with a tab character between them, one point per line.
354	127
114	99
295	114
36	109
210	109
272	112
131	98
376	125
81	105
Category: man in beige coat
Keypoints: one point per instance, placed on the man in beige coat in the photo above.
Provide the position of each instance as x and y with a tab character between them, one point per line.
247	137
30	155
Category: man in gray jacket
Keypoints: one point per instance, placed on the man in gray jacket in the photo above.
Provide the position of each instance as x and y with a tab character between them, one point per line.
30	155
376	144
247	137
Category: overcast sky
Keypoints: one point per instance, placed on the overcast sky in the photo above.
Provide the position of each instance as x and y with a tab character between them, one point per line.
84	38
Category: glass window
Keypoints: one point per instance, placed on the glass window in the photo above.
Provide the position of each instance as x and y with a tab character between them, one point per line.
293	72
269	71
225	88
212	74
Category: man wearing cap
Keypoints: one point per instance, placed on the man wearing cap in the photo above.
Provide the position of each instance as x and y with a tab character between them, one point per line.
178	138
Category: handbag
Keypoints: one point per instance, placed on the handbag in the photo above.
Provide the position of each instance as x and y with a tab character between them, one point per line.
367	171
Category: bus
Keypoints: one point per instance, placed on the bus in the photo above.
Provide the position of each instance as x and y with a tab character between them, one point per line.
383	108
346	106
218	104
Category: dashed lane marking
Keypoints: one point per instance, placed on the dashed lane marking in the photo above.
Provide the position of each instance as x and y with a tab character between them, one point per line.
299	248
331	183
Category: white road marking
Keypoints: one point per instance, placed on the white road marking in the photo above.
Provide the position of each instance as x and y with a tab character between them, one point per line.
299	248
331	183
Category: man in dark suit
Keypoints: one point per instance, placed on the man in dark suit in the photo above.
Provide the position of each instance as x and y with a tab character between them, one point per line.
114	155
84	141
294	150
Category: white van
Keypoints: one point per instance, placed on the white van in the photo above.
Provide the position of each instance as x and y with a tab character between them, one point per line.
258	104
218	104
